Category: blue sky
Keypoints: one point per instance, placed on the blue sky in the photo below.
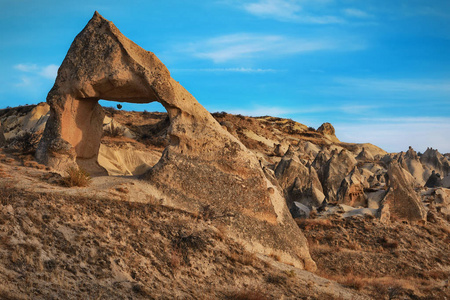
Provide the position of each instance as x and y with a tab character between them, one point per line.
379	71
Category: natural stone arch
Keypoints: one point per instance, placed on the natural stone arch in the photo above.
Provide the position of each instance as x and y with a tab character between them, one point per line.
203	165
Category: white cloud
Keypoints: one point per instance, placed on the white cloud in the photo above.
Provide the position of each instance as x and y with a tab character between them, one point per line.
356	13
29	68
245	45
290	111
48	72
400	85
226	70
288	11
278	9
24	82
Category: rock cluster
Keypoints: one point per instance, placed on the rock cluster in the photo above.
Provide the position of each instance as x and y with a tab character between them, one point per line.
357	181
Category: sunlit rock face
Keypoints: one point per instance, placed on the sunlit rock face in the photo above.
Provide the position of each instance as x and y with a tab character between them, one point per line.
203	166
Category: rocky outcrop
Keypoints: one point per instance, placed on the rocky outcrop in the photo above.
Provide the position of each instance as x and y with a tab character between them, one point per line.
434	160
413	164
300	183
401	201
351	191
434	180
28	120
328	131
334	171
203	165
364	155
2	136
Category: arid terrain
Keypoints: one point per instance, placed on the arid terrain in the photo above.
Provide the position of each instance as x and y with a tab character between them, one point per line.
101	203
121	237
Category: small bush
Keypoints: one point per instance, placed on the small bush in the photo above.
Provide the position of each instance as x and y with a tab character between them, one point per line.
388	243
114	131
26	142
276	279
76	177
247	295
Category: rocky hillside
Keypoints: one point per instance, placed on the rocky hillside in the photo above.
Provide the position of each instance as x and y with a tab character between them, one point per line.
376	222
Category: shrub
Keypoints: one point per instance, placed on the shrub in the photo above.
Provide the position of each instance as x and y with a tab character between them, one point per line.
25	142
247	295
76	177
113	131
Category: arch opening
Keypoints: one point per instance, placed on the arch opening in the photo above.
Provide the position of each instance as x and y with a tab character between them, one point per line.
117	138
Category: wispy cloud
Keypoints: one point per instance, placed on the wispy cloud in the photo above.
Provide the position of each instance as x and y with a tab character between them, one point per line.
248	45
396	85
48	72
356	13
278	9
290	111
229	70
287	11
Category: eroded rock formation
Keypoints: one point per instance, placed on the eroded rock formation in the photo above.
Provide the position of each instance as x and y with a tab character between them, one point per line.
401	201
2	136
203	165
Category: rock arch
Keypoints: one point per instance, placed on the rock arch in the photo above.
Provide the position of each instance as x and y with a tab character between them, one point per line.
203	165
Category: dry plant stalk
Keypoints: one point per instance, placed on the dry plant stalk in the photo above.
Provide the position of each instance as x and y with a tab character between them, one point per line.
76	177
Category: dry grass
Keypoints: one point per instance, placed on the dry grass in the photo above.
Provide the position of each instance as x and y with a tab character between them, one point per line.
307	224
247	294
276	257
76	177
245	258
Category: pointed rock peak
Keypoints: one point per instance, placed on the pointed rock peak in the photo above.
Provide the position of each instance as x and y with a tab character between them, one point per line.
326	128
411	153
364	155
290	152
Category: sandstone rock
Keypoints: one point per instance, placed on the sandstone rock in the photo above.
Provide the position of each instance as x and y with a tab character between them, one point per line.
334	171
410	161
434	180
309	148
2	136
289	168
434	160
300	183
351	191
26	120
364	156
320	160
300	211
328	131
203	165
326	128
401	201
278	151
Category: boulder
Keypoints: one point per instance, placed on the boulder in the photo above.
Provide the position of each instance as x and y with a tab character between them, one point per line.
411	162
351	191
401	201
334	171
434	180
328	131
434	160
203	165
364	155
300	183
